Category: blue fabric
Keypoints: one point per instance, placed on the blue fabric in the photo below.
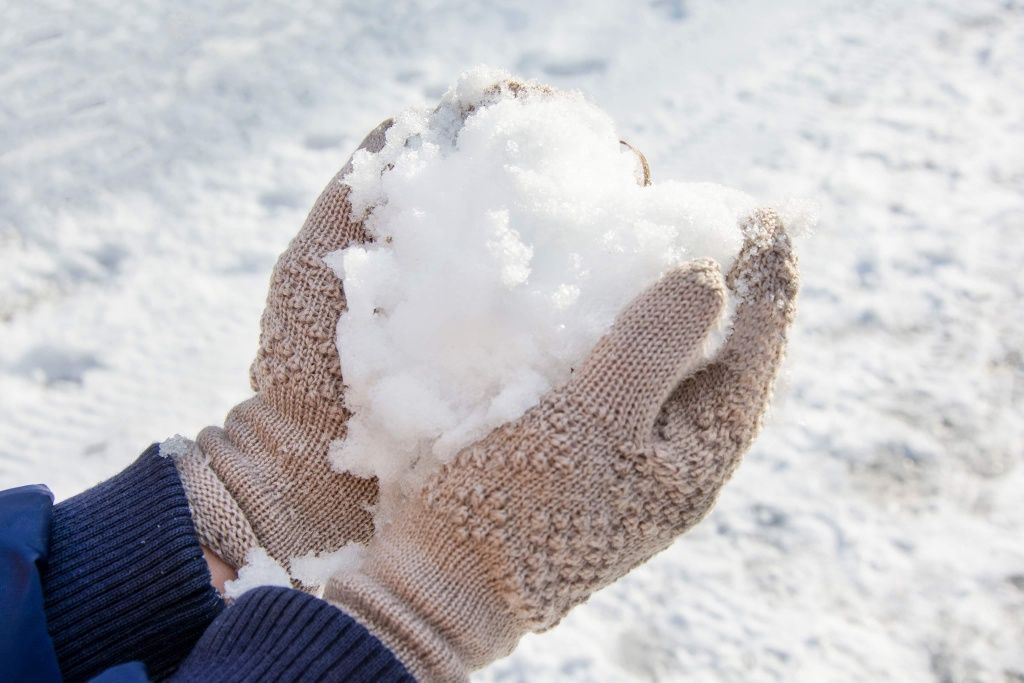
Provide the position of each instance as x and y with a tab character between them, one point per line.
111	585
132	672
126	579
26	651
280	634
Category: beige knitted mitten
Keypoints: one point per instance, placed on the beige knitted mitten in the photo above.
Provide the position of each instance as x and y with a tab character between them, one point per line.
594	480
264	478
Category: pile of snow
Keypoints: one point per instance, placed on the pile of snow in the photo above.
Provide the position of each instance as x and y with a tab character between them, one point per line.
510	229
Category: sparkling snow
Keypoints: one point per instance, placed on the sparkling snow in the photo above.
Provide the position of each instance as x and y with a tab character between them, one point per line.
505	245
154	160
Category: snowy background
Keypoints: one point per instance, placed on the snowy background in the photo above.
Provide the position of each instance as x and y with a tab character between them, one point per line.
156	157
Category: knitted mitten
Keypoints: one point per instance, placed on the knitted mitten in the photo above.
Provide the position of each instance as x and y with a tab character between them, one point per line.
594	480
264	478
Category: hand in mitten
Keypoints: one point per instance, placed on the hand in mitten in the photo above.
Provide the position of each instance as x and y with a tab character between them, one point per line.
599	476
264	480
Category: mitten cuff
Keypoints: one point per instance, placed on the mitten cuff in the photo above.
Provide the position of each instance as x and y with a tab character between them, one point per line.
220	523
264	480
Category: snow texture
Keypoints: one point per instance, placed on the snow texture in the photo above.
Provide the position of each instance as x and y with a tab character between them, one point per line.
509	231
154	163
315	569
260	569
176	446
312	570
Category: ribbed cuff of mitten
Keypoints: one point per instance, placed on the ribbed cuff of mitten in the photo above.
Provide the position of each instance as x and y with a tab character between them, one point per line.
220	523
279	634
126	579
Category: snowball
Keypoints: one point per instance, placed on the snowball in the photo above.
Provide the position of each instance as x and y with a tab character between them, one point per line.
260	569
509	231
317	569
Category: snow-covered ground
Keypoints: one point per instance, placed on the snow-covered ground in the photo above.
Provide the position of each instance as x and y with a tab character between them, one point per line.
156	157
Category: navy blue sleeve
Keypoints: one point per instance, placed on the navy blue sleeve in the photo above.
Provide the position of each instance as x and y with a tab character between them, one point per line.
117	578
26	652
280	634
125	579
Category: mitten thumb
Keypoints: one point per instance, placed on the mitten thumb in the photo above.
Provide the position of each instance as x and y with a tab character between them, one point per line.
654	343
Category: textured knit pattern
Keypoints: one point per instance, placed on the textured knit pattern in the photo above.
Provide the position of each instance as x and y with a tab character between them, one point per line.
601	475
126	579
264	479
277	634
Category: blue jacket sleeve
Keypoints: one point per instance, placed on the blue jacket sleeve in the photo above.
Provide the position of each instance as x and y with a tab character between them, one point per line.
125	579
112	586
26	652
280	634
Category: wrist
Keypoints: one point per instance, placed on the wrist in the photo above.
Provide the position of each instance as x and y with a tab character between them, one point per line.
220	571
221	525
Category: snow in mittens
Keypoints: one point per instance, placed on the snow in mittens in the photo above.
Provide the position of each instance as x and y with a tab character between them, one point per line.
156	158
511	226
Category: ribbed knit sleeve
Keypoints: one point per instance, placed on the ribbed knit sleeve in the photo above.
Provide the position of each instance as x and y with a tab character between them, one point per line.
126	579
279	634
